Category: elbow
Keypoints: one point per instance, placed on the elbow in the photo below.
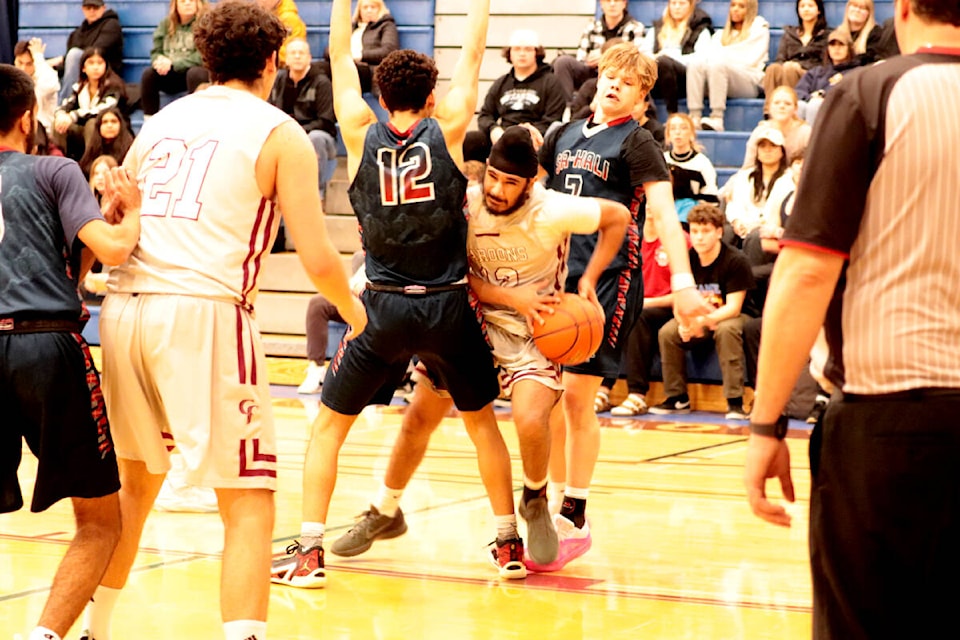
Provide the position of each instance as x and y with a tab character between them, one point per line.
115	255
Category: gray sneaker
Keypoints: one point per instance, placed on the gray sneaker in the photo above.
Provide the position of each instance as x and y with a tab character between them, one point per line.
542	542
371	526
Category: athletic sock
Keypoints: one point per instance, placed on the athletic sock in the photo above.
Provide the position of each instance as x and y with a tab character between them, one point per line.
99	612
245	630
555	494
506	527
533	489
575	506
42	633
388	500
311	534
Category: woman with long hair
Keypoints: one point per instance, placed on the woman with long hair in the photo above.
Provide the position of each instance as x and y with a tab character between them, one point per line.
111	138
801	48
374	37
784	116
747	191
98	88
838	59
175	64
859	20
693	176
732	66
683	31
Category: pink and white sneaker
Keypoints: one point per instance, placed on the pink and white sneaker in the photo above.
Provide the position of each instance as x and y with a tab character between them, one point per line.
574	543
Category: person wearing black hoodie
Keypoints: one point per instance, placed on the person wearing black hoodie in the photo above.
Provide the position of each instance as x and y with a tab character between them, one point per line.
529	93
683	29
101	29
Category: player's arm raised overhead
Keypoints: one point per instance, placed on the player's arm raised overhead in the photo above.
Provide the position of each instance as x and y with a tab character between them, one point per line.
287	170
456	109
353	113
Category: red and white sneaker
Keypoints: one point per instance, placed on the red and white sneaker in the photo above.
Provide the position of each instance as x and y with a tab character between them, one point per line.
301	568
574	543
507	557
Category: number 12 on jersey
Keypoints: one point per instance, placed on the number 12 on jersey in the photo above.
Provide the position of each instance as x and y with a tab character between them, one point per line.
403	175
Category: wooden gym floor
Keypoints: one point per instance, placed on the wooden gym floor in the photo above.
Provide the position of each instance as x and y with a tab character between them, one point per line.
676	552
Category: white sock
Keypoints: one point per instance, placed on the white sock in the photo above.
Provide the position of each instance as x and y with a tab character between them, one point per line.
245	630
506	527
577	492
42	633
311	534
388	500
533	484
99	612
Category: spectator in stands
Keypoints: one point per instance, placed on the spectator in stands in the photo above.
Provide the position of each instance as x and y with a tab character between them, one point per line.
529	93
732	66
693	176
111	137
374	37
885	46
784	116
98	89
94	283
175	64
614	23
305	93
100	29
682	32
28	57
289	15
801	48
723	277
858	18
747	190
838	60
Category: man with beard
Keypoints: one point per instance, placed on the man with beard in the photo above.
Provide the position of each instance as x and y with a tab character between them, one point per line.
517	245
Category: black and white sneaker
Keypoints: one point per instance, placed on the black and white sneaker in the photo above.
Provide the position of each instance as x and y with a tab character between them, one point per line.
672	405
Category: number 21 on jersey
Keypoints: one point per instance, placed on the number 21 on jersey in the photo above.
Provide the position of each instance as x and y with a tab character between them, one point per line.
403	175
172	187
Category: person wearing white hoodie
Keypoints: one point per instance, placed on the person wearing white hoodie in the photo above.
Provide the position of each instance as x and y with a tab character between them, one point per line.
732	66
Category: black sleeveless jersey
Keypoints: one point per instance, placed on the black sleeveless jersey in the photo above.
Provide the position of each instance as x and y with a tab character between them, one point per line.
408	196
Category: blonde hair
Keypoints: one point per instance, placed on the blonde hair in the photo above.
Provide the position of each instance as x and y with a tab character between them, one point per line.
383	10
672	30
860	44
728	37
174	16
694	143
625	57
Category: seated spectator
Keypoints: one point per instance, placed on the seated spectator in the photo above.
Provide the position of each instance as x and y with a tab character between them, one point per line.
303	92
859	20
289	15
175	64
747	190
100	29
98	89
885	45
374	37
94	282
683	31
614	23
99	168
28	57
641	345
801	48
723	277
111	138
731	67
813	87
693	176
785	117
529	93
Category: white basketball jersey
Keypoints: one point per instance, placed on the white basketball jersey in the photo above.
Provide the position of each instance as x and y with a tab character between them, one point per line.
205	226
527	246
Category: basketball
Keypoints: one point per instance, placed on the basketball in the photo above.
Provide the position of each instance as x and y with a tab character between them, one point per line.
573	333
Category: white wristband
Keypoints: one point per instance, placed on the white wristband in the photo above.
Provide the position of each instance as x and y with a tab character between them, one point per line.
680	281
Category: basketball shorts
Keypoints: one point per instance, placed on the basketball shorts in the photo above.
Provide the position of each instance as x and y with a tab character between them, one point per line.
189	373
441	329
621	295
50	396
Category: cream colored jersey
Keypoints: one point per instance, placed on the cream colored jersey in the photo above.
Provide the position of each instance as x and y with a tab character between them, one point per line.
527	246
204	226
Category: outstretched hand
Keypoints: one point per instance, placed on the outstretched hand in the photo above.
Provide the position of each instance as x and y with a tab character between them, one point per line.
768	457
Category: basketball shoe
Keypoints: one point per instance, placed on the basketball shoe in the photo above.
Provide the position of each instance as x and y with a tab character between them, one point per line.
301	568
541	534
371	526
574	543
507	557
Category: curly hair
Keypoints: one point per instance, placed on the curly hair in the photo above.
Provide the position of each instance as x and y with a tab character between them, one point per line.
16	96
236	39
705	213
406	78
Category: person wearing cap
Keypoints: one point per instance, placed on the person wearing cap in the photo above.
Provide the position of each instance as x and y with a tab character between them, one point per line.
838	59
528	93
747	190
784	110
516	226
100	29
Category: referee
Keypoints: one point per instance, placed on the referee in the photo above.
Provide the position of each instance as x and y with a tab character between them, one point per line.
878	202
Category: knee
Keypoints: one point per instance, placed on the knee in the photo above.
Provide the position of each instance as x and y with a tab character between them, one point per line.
99	519
729	331
148	80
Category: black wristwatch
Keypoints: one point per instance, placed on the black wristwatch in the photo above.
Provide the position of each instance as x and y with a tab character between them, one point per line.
776	429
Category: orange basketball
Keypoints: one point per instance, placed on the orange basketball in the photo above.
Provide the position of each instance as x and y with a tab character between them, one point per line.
573	333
